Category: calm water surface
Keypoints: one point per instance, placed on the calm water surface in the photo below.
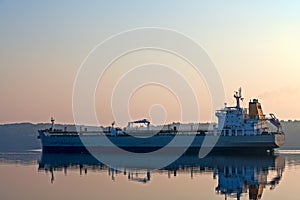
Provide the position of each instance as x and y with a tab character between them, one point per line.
34	175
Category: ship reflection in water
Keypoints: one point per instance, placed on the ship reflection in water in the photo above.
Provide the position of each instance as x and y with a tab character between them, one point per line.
236	175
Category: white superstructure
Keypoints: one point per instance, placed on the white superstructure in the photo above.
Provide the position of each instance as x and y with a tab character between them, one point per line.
237	121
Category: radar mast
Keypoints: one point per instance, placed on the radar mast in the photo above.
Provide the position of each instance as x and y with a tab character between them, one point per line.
238	97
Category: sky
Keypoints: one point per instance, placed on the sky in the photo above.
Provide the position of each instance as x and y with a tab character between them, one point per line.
253	44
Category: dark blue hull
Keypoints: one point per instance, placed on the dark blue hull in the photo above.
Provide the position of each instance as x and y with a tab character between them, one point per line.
190	150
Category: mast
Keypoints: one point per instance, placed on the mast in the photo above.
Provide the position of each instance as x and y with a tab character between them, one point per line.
238	96
52	123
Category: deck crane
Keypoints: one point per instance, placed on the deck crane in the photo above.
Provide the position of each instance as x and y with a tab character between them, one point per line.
142	121
275	122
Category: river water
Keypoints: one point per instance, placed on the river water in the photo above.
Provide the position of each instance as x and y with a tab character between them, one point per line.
34	175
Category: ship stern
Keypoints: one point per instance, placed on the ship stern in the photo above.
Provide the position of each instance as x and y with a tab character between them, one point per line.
279	139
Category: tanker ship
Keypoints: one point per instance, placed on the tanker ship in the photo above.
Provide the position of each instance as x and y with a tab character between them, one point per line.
239	130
